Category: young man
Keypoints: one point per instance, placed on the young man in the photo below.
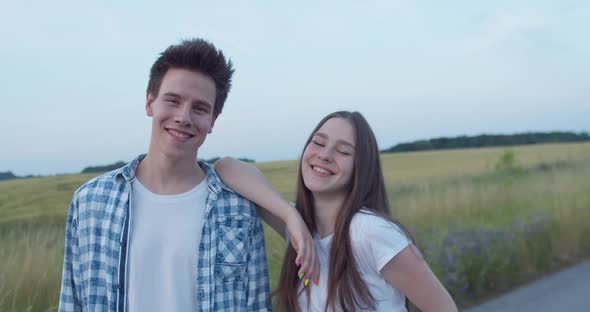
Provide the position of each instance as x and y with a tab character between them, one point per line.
163	233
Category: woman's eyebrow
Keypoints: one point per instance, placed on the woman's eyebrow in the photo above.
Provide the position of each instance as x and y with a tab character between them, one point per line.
325	136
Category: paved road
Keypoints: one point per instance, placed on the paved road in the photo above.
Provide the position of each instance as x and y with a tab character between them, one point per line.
567	290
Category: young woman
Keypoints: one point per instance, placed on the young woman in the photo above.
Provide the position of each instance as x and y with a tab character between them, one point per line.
367	260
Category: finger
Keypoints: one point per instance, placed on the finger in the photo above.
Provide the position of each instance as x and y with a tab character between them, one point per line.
304	269
301	275
298	260
299	256
302	261
316	267
309	256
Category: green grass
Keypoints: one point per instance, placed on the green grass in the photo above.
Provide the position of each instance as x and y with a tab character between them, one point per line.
30	269
447	198
487	233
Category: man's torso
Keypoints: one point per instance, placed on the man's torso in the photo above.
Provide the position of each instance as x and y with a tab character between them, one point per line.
230	232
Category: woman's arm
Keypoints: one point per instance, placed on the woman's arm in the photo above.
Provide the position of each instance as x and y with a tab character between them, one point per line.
249	182
408	272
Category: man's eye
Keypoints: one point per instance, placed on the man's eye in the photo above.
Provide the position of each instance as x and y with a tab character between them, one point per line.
201	109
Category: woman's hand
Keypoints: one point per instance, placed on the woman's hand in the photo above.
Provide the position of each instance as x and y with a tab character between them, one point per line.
305	247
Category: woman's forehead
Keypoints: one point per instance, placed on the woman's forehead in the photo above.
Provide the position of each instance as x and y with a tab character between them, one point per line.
338	129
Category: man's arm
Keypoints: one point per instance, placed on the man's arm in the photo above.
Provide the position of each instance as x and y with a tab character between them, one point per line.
70	297
258	283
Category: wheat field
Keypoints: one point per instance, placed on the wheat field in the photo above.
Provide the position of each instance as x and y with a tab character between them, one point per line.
482	230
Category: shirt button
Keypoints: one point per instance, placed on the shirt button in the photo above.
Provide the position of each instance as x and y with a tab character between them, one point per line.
116	287
123	243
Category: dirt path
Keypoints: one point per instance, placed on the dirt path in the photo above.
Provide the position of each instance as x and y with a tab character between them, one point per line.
567	290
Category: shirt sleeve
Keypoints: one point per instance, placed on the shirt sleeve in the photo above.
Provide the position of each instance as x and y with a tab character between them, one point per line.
258	285
70	296
380	240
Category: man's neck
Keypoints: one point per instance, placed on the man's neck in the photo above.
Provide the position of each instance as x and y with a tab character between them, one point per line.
165	176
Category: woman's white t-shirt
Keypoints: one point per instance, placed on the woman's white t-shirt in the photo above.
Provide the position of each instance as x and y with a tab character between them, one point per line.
375	241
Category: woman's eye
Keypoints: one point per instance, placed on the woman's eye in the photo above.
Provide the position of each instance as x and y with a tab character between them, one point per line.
344	153
317	143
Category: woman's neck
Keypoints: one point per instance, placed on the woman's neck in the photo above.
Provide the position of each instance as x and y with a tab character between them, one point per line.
327	209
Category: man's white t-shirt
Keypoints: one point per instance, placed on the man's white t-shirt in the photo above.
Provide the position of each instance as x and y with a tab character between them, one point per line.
374	242
165	231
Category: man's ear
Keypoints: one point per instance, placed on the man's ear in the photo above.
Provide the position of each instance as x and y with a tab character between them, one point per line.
149	104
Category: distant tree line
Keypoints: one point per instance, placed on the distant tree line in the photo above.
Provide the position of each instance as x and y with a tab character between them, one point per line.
122	163
7	175
487	140
106	168
484	140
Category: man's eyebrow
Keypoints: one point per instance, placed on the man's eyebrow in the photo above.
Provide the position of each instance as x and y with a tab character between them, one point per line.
172	94
196	102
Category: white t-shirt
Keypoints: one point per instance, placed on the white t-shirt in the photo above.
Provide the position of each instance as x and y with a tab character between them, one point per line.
374	242
165	231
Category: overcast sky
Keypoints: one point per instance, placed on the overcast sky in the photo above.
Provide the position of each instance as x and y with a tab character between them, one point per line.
74	73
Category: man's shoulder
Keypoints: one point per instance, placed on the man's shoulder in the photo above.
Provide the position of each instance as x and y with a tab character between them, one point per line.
230	203
91	201
231	200
217	186
105	182
111	180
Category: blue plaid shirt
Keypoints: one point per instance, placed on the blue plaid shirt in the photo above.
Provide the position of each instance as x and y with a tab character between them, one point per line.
232	273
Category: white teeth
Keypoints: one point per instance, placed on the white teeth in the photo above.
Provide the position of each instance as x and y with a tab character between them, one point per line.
320	170
178	134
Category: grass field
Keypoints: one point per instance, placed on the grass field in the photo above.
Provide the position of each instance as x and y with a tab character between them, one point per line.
482	230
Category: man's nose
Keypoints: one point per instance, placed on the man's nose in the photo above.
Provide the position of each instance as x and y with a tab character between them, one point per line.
183	115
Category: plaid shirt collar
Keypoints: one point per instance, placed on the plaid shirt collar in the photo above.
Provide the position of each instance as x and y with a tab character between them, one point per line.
127	173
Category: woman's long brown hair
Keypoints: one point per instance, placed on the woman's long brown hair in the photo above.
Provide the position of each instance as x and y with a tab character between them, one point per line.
366	190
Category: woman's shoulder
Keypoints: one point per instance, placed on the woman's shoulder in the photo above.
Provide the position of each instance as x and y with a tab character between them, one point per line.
376	239
366	217
366	224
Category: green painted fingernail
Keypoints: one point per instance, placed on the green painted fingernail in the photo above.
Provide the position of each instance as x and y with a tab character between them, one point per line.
301	276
